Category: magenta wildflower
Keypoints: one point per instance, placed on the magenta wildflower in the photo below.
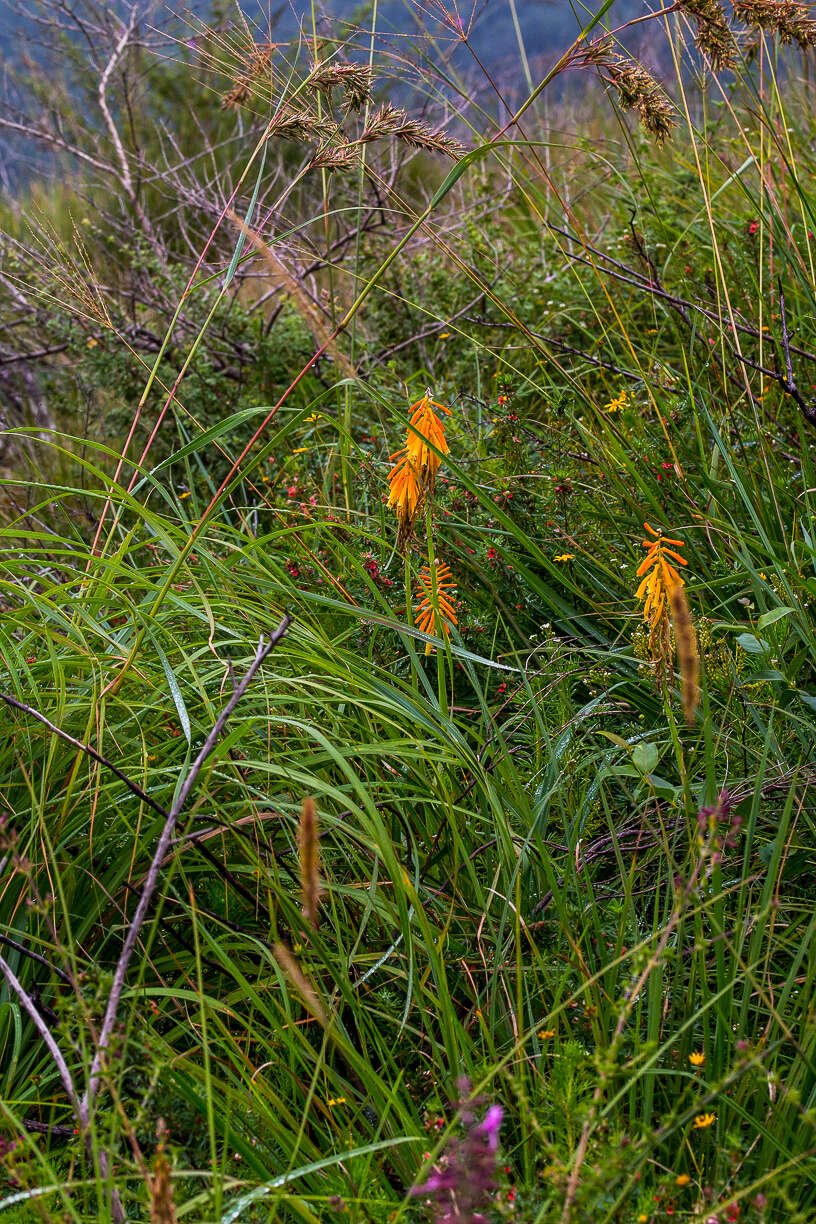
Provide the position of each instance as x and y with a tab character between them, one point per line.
463	1183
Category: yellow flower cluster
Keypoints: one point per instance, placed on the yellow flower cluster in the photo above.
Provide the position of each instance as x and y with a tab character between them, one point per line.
619	402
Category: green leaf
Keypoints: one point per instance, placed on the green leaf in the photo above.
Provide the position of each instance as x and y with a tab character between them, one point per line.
768	618
645	757
175	691
752	645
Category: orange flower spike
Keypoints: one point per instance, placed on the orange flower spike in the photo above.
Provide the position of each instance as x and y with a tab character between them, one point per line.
428	428
659	538
415	466
435	612
646	564
660	584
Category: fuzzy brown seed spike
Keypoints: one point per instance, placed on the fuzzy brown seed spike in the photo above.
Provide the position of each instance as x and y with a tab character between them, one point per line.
297	978
309	847
688	658
162	1209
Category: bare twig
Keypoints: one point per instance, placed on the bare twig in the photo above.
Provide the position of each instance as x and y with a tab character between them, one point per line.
44	1031
152	877
807	409
87	749
35	956
83	1106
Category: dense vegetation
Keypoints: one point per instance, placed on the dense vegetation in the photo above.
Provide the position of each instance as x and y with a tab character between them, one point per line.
496	882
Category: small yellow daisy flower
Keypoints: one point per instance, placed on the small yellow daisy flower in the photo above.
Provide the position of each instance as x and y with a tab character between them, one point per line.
682	1180
701	1121
697	1058
618	403
565	557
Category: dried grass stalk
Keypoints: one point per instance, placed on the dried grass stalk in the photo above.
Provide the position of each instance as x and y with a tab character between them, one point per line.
301	983
311	314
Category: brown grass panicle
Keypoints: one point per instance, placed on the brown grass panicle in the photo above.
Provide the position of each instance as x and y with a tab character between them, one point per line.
393	121
788	19
162	1207
688	656
637	89
309	861
714	37
355	81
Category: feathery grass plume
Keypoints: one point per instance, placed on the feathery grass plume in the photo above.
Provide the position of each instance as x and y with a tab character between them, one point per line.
788	19
391	121
310	313
688	657
238	94
162	1208
637	89
434	613
659	578
714	37
260	58
413	475
355	80
257	62
309	859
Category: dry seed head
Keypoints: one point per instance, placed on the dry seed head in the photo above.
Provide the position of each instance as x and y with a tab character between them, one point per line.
300	126
786	18
297	978
355	80
714	38
257	62
309	854
238	95
334	157
688	658
637	89
382	123
260	58
392	121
